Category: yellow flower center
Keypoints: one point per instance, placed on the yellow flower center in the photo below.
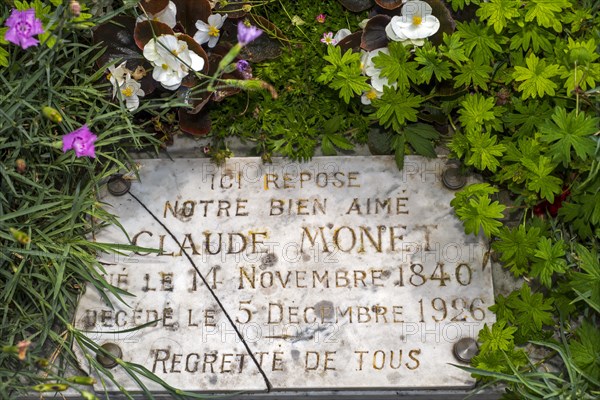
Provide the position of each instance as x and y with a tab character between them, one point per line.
213	31
417	20
165	66
371	94
128	91
109	76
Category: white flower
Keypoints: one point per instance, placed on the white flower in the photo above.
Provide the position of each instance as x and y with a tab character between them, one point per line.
370	95
210	32
339	35
117	75
171	59
131	90
415	24
166	16
377	81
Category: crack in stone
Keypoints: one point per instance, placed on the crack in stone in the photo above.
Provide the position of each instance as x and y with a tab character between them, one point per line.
212	292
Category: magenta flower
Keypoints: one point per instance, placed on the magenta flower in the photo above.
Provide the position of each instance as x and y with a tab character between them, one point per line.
321	18
246	34
22	25
82	141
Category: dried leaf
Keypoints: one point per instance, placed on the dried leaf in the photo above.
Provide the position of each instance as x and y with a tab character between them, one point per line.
195	124
153	6
374	36
146	30
190	11
389	4
357	5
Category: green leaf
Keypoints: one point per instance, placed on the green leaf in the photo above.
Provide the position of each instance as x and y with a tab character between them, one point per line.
544	12
474	190
330	141
586	351
473	73
484	152
549	259
530	36
454	49
396	107
420	137
475	111
432	64
499	12
395	65
500	337
460	4
532	311
350	83
536	77
517	247
528	115
586	282
502	310
338	62
479	42
3	57
481	214
567	132
540	180
582	77
399	144
3	31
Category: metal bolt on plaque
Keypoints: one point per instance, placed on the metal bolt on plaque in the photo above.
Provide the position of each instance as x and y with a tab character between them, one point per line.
465	349
453	178
117	185
105	360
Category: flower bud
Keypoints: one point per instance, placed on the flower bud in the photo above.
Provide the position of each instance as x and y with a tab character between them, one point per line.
42	363
20	165
52	114
82	380
19	236
75	8
88	396
247	7
50	387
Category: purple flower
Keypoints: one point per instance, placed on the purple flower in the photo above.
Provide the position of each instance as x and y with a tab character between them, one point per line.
321	18
22	25
246	34
82	141
242	65
244	68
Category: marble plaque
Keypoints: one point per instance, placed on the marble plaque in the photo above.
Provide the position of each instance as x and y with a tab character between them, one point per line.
338	273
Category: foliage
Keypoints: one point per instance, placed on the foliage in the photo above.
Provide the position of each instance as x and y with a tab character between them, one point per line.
530	126
509	87
306	115
48	199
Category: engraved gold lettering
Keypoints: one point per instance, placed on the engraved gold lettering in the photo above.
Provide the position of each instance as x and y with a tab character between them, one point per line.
312	239
412	355
337	240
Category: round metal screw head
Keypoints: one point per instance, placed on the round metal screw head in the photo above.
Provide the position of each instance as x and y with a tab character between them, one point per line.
105	360
452	178
465	349
117	185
